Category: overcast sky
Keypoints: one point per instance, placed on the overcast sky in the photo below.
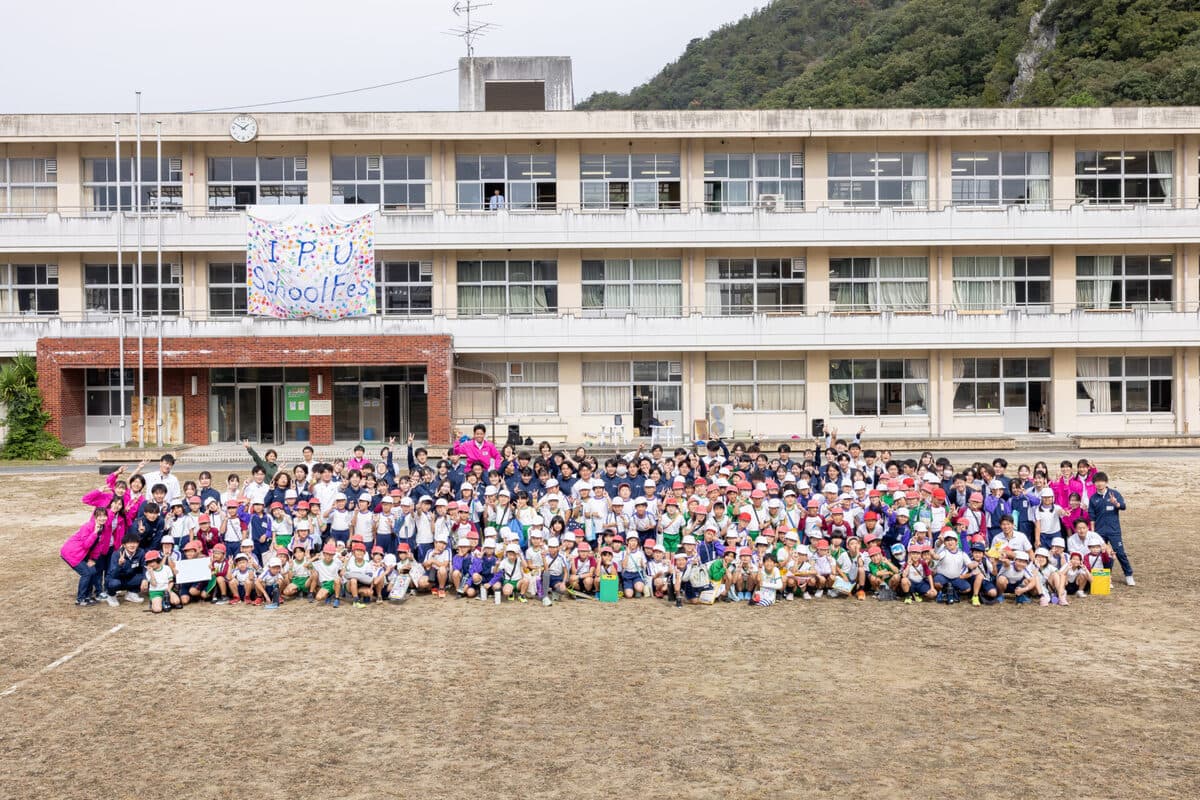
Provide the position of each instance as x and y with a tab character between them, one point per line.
74	56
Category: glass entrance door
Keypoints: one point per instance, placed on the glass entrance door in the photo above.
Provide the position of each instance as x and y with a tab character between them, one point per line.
372	413
248	413
260	414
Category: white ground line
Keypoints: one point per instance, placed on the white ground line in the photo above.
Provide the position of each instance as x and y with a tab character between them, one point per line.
58	663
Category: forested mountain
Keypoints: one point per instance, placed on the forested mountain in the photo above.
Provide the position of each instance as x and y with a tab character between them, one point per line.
899	53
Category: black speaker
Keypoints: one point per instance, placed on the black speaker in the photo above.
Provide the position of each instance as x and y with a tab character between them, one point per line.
514	435
818	427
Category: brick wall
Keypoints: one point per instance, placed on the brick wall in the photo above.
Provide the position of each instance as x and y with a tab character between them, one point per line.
61	363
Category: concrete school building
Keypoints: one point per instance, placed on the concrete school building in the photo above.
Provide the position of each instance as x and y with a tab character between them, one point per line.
923	272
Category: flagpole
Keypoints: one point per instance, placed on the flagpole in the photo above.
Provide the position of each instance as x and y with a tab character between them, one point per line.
158	408
137	279
120	284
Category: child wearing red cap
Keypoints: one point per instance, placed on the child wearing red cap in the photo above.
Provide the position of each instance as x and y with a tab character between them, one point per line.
359	573
300	573
328	569
160	579
916	580
218	584
583	569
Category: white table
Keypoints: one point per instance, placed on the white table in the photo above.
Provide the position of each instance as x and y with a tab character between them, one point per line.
611	432
664	434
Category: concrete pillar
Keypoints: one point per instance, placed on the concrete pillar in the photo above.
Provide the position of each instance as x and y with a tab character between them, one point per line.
1062	279
939	173
70	189
816	280
695	402
570	278
443	178
1062	165
817	385
320	173
941	385
195	285
691	173
570	398
70	286
816	174
195	180
567	172
1062	391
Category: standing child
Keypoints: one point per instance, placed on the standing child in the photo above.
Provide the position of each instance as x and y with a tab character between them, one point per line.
1105	507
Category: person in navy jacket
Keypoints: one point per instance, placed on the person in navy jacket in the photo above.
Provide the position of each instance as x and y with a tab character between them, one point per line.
126	568
1105	507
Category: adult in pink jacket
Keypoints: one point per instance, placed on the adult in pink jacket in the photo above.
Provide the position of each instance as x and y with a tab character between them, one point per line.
479	450
76	551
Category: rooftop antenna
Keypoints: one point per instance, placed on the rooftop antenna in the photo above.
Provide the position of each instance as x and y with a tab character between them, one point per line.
470	30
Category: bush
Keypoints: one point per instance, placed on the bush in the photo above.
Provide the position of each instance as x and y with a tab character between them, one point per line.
27	435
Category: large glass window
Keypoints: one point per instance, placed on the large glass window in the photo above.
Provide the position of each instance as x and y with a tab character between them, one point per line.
647	287
28	185
394	183
227	289
886	283
1124	384
641	181
610	387
518	183
239	181
878	179
869	387
487	288
996	283
102	392
762	385
29	289
1118	282
990	384
404	288
525	387
993	178
1124	176
742	180
734	286
101	189
103	293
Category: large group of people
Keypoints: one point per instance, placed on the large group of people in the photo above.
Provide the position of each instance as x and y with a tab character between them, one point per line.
703	524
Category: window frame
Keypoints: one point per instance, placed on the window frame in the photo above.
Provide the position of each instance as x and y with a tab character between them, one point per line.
755	383
719	291
45	190
12	289
423	282
149	290
509	387
1096	171
109	389
381	182
237	290
630	285
542	194
1122	280
966	178
1123	381
1019	277
658	181
848	175
663	378
295	187
716	177
548	285
869	265
104	191
878	381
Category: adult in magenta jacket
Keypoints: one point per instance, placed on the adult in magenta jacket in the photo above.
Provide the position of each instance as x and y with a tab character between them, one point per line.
479	450
76	551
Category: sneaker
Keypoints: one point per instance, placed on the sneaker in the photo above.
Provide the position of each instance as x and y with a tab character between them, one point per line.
908	601
483	594
860	594
1045	601
359	604
133	597
522	598
102	596
258	601
112	601
819	593
1129	581
220	601
942	597
546	601
271	605
951	599
807	595
974	600
755	599
678	603
497	597
336	603
919	598
1054	600
234	601
1022	599
787	596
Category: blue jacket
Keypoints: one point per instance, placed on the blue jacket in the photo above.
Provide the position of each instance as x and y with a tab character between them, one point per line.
149	533
1105	512
133	567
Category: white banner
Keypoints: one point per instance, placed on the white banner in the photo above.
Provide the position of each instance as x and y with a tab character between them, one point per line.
311	261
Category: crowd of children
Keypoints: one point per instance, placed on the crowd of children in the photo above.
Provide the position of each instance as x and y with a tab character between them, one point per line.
711	523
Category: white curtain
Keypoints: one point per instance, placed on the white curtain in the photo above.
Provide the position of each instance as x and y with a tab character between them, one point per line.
899	287
1163	166
1103	282
1092	371
919	369
1039	183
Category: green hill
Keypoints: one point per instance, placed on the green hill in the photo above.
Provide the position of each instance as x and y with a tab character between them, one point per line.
933	53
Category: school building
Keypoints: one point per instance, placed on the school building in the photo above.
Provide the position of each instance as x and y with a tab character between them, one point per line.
923	272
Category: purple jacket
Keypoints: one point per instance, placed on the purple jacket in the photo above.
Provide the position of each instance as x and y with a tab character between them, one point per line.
75	549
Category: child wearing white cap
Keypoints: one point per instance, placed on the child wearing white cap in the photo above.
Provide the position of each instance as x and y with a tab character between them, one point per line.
510	579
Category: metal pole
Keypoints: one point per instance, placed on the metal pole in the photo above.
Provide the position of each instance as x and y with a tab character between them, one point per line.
137	280
158	408
120	286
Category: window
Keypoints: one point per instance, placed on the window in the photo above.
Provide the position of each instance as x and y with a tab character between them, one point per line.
868	387
102	291
615	387
227	289
734	286
524	182
1123	176
887	283
1000	178
877	179
102	392
240	181
100	183
647	287
977	382
393	183
29	289
763	385
524	387
487	288
28	185
1124	384
996	283
1116	282
641	181
740	181
404	288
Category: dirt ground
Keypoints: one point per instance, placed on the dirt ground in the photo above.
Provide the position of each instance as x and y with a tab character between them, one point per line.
451	698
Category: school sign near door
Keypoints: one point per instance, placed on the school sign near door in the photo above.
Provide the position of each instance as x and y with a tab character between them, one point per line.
296	405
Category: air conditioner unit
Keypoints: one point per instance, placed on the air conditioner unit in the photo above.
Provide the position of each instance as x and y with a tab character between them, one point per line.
771	202
720	421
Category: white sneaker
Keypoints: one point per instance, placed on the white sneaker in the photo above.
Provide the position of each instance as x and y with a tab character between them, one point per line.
112	601
133	597
808	595
546	601
103	595
482	594
819	593
497	596
1129	581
